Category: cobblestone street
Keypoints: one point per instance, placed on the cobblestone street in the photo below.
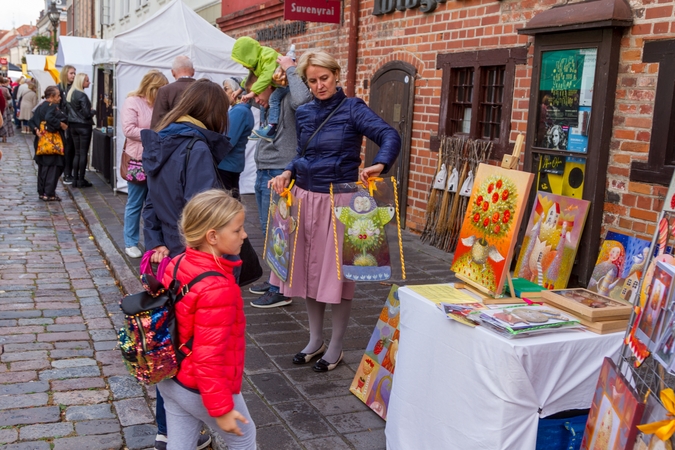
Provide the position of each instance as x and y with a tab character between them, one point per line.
63	384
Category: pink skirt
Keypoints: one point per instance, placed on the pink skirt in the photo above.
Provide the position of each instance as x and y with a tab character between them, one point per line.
314	266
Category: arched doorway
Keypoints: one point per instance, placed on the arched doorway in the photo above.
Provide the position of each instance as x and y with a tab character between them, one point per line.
392	91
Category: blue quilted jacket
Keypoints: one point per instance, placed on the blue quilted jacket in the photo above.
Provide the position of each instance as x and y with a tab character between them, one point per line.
334	154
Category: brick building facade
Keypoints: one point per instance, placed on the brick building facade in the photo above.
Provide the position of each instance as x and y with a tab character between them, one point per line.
457	28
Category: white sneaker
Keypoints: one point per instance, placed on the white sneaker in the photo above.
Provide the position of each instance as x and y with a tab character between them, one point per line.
133	252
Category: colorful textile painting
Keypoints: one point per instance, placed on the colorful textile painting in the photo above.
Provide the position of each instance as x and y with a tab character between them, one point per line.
615	412
620	265
490	226
551	240
658	298
365	251
373	380
281	227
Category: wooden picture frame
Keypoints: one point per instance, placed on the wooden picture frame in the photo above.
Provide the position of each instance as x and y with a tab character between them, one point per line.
588	304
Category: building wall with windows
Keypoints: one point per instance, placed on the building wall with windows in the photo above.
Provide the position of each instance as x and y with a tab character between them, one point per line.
472	46
117	16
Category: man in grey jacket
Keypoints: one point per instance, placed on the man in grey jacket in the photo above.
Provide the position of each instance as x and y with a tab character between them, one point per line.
271	159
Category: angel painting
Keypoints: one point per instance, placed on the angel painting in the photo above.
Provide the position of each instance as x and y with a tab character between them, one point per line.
365	252
552	239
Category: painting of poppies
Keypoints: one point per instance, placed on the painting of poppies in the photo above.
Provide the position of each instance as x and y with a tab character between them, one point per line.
373	380
490	226
551	240
615	412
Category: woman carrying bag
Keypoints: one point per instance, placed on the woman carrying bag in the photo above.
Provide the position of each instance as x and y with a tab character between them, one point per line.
136	116
80	121
48	124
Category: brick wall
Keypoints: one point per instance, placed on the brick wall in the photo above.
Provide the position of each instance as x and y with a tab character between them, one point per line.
417	38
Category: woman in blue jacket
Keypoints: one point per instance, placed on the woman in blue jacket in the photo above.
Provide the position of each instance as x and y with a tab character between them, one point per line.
331	156
241	123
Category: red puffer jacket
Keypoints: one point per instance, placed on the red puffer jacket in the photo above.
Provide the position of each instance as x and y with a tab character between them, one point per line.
213	313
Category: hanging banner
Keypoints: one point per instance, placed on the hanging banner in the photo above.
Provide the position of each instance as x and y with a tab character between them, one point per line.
324	11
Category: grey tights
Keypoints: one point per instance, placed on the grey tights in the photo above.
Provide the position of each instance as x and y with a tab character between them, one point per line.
315	313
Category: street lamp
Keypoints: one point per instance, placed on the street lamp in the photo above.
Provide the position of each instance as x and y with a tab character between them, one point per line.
55	18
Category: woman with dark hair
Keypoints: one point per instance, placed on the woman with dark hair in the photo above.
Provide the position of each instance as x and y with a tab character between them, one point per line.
180	160
49	166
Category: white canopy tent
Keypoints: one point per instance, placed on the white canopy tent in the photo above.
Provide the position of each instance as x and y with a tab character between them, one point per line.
79	53
35	65
173	31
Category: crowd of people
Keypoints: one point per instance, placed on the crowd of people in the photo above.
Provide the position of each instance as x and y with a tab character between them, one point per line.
184	151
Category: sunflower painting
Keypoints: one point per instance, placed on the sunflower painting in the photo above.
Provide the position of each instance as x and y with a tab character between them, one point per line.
490	226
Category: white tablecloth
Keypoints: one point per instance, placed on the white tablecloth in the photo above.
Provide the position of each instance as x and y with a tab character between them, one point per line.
457	387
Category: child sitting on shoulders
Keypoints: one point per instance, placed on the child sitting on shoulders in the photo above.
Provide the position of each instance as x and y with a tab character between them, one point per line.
207	387
261	61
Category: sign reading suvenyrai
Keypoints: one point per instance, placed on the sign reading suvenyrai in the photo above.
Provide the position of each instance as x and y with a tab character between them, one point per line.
325	11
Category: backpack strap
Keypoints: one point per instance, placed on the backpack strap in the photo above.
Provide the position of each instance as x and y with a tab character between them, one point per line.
181	353
187	156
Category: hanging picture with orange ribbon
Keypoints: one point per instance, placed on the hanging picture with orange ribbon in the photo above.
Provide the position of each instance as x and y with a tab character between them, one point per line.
282	222
362	214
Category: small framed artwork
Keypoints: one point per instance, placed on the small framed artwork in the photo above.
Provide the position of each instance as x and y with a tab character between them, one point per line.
658	299
615	412
588	304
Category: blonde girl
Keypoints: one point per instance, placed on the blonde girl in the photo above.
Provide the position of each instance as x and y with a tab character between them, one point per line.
211	324
80	122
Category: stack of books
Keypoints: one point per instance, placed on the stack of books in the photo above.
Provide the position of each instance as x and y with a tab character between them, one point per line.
517	320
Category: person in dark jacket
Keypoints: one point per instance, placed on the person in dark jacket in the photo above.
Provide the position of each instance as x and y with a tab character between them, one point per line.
49	166
180	159
331	156
80	122
241	122
168	96
67	76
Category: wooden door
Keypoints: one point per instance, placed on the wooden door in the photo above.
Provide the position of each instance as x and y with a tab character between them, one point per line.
392	91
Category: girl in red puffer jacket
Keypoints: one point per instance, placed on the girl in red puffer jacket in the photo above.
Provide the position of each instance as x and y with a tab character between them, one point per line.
208	385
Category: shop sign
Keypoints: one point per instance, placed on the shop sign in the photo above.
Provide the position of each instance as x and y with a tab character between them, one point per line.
3	61
281	31
382	7
324	11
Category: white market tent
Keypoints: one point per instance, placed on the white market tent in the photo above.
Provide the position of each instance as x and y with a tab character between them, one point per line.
173	31
77	52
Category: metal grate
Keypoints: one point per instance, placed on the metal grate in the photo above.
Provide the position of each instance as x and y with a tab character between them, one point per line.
462	96
492	94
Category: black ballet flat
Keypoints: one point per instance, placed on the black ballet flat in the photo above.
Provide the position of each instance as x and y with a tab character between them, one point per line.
324	366
304	358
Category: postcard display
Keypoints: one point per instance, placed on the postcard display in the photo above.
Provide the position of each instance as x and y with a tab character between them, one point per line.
646	364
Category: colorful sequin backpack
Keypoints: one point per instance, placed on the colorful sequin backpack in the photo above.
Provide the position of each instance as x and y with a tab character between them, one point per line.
149	337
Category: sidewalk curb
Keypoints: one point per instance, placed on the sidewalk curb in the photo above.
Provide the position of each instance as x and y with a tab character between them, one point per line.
117	264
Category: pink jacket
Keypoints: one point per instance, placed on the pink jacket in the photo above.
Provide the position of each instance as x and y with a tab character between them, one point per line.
136	116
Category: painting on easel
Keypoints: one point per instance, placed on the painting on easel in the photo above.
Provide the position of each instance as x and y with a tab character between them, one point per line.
489	231
551	240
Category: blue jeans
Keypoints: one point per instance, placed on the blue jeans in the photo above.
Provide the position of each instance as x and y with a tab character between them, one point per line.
262	193
275	105
160	414
132	212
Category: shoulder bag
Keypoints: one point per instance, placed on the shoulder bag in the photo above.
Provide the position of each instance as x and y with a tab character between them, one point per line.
49	142
131	169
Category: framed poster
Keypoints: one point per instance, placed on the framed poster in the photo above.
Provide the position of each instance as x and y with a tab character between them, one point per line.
565	99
